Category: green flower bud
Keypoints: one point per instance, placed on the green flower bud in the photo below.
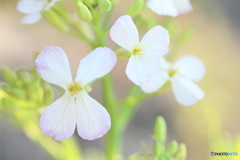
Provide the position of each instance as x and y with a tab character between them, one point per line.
23	76
160	129
19	93
158	148
173	147
53	18
105	6
115	2
123	54
83	12
62	12
182	152
135	8
8	103
7	89
90	2
8	76
88	88
47	96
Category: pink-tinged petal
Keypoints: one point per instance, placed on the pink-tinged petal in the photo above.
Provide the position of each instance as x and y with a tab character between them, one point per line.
52	65
186	91
183	6
93	121
125	33
156	82
191	67
141	68
155	42
95	65
31	18
59	119
30	6
163	7
164	64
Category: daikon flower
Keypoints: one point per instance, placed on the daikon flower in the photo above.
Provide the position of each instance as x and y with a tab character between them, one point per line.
75	107
170	7
144	59
182	75
33	9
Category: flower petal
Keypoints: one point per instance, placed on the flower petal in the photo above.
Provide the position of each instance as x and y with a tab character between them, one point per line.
156	82
141	68
155	41
164	64
95	65
163	7
125	33
183	6
191	67
52	65
186	91
93	119
59	120
31	18
30	6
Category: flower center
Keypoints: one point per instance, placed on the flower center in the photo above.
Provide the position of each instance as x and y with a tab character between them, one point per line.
172	73
137	51
74	88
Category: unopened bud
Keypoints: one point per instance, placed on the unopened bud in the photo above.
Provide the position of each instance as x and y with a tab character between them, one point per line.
54	19
88	88
62	12
182	152
8	76
158	148
83	12
160	129
7	89
8	103
19	93
135	8
173	147
23	76
123	54
105	6
115	2
90	2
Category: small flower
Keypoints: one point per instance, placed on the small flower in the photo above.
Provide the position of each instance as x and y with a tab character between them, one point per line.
144	59
182	75
33	9
75	107
170	7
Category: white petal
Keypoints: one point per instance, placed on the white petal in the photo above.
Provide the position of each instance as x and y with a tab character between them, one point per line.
31	6
186	91
93	119
32	18
95	65
141	68
125	33
191	67
164	64
52	65
59	119
155	41
163	7
183	6
156	82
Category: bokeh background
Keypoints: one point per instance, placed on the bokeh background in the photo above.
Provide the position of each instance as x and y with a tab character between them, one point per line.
216	42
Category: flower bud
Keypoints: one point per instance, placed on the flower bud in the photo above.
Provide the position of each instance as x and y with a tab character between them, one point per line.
7	89
135	8
47	96
88	88
123	54
8	76
83	12
182	152
105	6
158	148
173	147
90	2
19	93
160	129
115	2
23	76
54	19
8	103
62	12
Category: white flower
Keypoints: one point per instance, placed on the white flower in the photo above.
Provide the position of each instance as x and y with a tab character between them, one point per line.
33	9
182	75
144	60
75	107
170	7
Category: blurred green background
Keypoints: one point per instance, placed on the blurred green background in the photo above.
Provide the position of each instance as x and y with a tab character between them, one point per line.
201	126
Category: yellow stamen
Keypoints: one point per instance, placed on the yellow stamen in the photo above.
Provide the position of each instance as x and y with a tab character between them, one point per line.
137	51
74	88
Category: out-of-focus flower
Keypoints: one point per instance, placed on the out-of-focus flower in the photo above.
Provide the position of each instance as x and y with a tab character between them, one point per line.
75	107
33	9
144	59
182	75
170	7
